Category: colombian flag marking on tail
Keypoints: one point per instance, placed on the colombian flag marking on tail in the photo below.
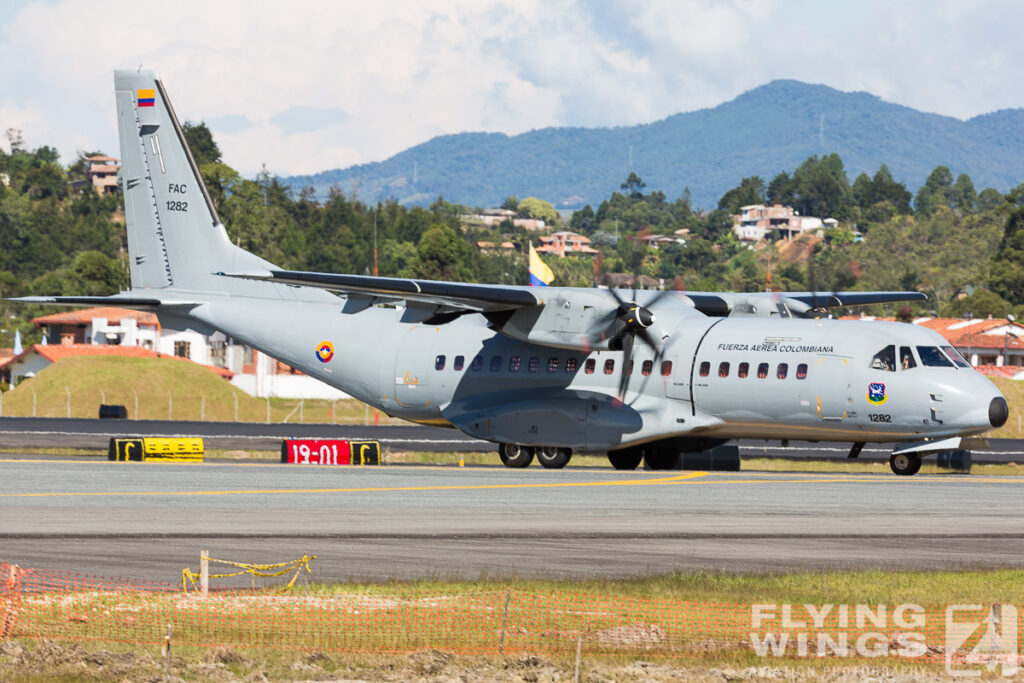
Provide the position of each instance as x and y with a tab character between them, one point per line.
540	274
146	98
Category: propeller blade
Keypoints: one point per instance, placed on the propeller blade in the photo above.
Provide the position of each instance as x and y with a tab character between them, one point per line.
627	357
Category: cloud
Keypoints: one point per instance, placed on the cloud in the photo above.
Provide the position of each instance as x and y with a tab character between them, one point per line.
309	86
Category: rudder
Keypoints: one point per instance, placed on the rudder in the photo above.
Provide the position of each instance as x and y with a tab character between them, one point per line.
175	237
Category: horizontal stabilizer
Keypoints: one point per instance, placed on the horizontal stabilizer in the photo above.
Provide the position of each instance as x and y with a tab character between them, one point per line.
117	301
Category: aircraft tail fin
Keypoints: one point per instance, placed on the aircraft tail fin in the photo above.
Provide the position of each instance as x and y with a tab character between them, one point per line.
176	240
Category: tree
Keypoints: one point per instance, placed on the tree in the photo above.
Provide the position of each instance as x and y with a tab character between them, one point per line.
749	191
511	203
1007	269
962	195
583	219
200	141
633	186
532	207
443	255
989	199
822	188
781	190
935	191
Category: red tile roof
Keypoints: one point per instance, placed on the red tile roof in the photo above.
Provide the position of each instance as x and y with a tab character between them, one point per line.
960	334
1008	371
87	315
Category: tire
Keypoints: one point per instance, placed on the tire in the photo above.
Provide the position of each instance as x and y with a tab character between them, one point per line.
515	456
661	458
553	458
626	459
905	464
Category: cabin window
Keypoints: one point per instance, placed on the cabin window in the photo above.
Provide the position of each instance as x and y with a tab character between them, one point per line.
723	369
955	356
801	371
459	362
932	357
495	363
477	364
589	366
570	365
782	370
742	370
534	364
647	368
609	366
907	358
762	370
666	368
552	364
439	363
705	369
514	363
885	359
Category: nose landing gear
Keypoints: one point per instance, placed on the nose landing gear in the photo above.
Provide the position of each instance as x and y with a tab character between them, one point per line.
905	463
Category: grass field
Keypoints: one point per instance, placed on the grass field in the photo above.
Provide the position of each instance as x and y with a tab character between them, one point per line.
164	389
684	626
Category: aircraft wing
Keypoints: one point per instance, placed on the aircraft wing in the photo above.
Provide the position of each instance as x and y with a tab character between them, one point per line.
456	295
830	299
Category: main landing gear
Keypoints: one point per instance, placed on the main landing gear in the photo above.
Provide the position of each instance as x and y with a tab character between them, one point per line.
550	457
905	463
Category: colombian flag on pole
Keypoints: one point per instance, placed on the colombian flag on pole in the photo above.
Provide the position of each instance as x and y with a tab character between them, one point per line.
540	274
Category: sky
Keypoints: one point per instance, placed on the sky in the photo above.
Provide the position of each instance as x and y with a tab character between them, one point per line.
302	87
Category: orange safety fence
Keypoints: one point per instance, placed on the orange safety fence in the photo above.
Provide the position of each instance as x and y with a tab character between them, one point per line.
482	620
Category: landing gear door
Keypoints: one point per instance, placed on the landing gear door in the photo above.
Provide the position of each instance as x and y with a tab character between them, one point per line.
830	392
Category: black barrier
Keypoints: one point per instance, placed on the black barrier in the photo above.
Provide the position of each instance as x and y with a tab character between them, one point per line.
126	450
113	412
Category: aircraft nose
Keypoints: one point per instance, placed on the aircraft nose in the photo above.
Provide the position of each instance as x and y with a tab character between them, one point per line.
998	412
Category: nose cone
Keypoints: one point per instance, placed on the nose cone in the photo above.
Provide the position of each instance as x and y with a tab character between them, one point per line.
998	412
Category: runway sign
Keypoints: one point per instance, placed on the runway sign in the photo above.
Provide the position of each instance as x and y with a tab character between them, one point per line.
188	449
329	452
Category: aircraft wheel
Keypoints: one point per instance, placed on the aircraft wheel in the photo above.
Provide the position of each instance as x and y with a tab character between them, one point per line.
514	455
905	464
626	459
661	458
553	458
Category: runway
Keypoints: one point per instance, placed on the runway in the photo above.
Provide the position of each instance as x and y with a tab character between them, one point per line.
148	520
44	432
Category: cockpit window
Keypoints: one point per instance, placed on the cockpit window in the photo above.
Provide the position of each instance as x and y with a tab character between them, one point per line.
885	359
907	358
955	356
932	357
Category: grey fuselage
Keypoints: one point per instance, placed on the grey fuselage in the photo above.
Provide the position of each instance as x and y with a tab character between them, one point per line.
396	366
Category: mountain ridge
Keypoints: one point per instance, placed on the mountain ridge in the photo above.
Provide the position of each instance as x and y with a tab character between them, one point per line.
763	131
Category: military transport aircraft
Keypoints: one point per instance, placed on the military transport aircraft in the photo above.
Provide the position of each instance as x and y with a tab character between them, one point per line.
542	372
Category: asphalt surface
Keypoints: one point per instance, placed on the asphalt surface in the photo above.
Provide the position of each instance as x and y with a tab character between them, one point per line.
42	432
149	520
51	432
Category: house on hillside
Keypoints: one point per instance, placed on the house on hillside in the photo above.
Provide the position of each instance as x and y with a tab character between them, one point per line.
494	217
565	243
6	356
628	281
102	173
757	222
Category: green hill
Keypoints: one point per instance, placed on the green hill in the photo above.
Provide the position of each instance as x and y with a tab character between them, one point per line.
764	131
165	388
